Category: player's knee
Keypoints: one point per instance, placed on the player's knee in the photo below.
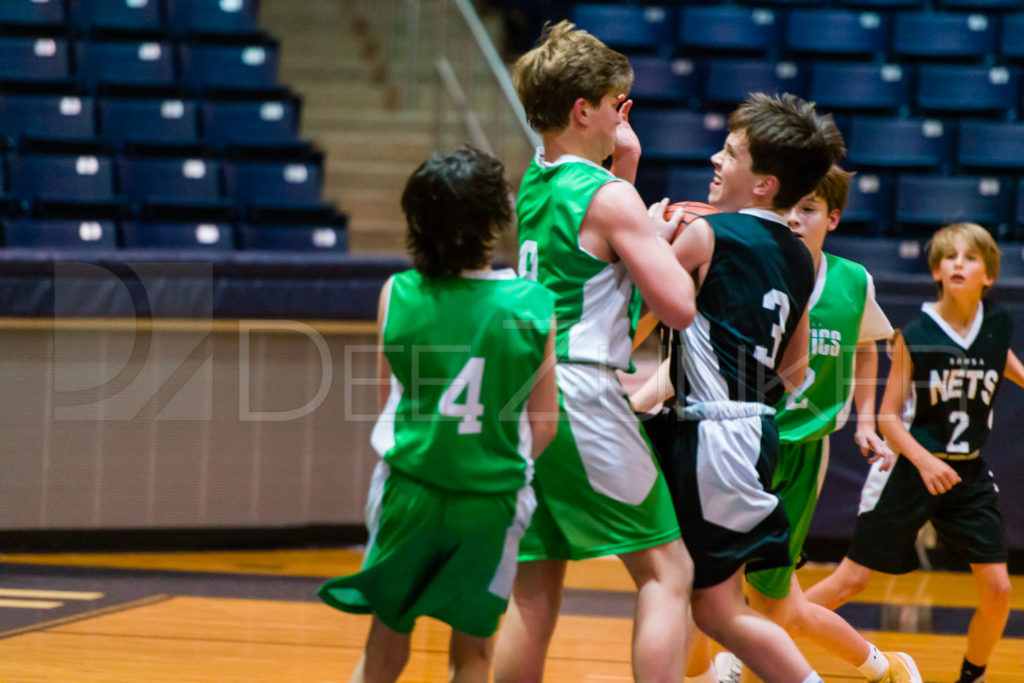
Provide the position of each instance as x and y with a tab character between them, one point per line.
997	591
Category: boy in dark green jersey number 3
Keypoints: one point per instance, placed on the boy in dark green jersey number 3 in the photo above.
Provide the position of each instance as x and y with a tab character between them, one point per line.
468	400
936	412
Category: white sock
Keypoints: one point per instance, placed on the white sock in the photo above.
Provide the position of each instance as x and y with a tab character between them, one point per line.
876	666
706	677
813	677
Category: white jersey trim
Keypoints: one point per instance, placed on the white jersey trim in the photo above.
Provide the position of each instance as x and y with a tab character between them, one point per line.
488	274
874	324
964	342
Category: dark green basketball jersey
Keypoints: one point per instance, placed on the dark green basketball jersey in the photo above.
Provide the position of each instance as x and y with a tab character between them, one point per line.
753	295
955	378
463	353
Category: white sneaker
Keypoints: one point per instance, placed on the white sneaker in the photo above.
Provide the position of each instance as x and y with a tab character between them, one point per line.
902	668
728	667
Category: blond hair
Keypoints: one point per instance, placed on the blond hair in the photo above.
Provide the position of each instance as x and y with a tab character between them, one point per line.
976	237
568	64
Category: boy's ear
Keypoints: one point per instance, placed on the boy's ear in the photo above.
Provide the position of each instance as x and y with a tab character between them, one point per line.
833	219
580	110
767	186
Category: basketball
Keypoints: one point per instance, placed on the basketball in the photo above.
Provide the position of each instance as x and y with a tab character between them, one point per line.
691	212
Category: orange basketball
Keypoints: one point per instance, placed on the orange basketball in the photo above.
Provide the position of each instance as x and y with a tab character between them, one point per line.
691	212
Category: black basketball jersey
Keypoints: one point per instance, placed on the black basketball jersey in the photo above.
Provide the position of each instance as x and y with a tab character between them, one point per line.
753	295
955	378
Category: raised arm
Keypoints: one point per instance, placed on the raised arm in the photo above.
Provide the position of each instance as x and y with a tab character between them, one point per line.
542	405
618	218
938	476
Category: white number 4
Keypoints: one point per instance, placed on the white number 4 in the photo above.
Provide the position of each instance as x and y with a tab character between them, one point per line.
469	380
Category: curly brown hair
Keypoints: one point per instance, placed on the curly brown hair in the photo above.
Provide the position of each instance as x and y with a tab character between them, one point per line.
455	207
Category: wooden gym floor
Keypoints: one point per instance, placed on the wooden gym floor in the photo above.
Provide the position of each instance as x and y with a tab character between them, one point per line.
254	616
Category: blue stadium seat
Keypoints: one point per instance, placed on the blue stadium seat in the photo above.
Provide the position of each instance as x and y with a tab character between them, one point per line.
678	134
946	35
882	256
967	88
251	66
991	144
170	180
315	228
689	183
730	81
148	120
930	201
836	32
660	79
1018	213
1011	41
42	13
33	59
60	233
869	204
135	63
626	26
882	4
899	143
274	183
83	178
62	117
250	122
731	28
860	86
213	16
166	234
122	15
981	4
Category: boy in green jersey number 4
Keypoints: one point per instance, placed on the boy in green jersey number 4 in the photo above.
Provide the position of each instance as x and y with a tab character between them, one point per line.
585	233
947	365
468	400
846	323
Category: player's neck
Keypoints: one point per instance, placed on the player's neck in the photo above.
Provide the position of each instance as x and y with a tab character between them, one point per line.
566	142
958	311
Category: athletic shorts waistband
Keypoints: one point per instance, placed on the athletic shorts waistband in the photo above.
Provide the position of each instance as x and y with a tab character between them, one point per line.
958	456
722	410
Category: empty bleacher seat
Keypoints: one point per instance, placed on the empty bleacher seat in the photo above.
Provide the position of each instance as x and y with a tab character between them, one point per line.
65	117
943	34
730	81
991	144
733	28
1018	213
177	235
60	233
678	134
170	180
41	13
213	16
146	63
834	32
1011	40
899	143
859	86
662	79
122	15
148	120
882	4
981	4
928	202
274	183
33	59
250	121
689	183
869	204
65	177
626	26
967	88
218	65
295	229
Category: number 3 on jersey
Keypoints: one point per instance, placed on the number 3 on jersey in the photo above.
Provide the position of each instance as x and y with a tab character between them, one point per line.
771	300
469	380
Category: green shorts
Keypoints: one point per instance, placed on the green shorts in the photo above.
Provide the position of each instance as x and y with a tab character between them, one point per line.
599	489
797	481
451	556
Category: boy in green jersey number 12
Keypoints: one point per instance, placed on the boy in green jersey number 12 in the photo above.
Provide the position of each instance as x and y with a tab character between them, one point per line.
468	400
846	322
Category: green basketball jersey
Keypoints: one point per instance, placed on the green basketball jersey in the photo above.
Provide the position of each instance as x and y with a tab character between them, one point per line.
820	405
463	354
596	303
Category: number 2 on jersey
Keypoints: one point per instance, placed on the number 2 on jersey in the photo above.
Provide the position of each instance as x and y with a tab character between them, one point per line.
469	380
